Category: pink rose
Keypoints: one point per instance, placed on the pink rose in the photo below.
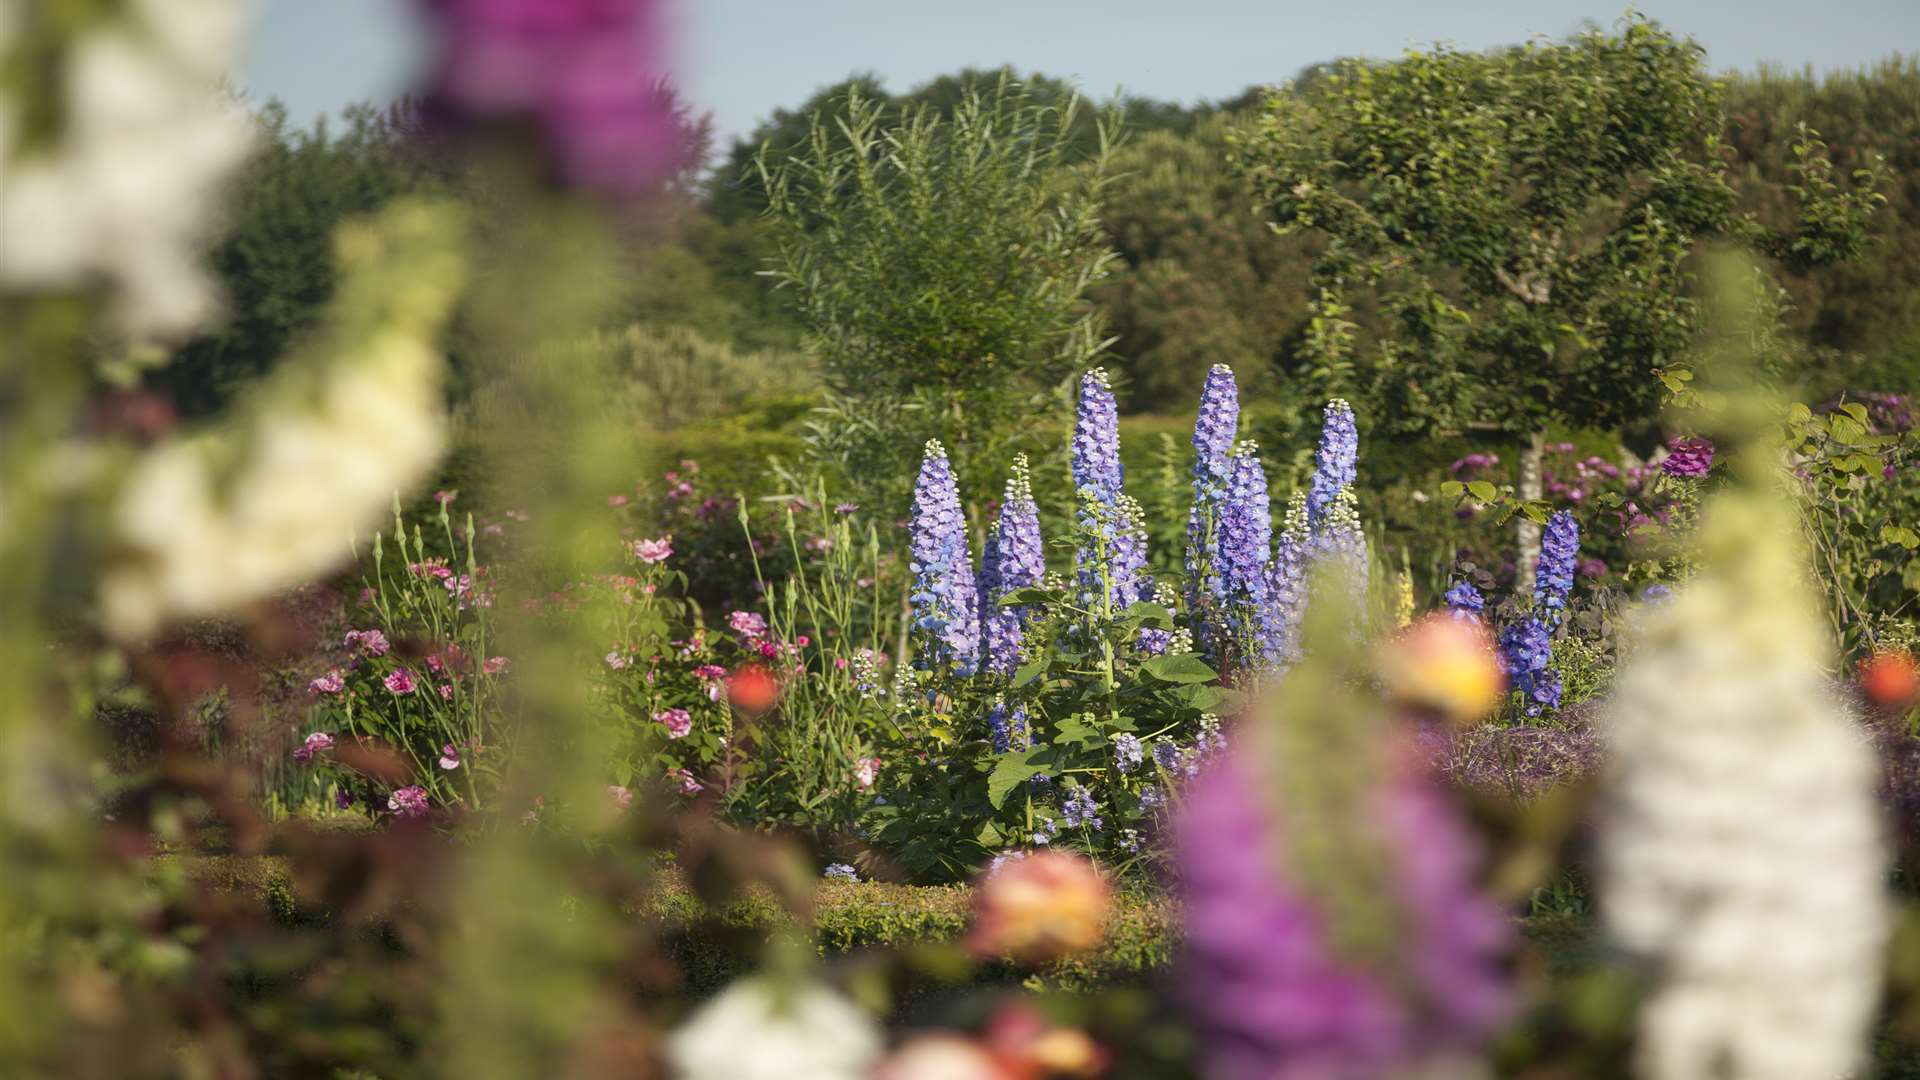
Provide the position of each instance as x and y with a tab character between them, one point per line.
400	682
677	721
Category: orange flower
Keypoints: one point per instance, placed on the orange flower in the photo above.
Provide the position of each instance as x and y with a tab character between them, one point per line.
752	688
1038	907
1890	679
1447	665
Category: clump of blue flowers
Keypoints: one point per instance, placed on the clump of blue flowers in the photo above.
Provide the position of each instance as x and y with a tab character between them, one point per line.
1245	542
1526	651
1079	811
1213	432
1464	602
944	602
1012	559
1553	574
841	871
1128	753
1112	558
1007	727
1335	462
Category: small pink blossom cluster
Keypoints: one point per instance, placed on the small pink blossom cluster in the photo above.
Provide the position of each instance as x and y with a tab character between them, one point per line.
688	784
1577	479
400	681
330	683
866	771
316	743
408	802
449	757
433	568
714	678
622	798
678	722
367	642
679	487
653	551
497	665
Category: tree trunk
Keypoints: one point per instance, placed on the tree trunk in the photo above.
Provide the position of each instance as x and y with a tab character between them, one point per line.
1526	531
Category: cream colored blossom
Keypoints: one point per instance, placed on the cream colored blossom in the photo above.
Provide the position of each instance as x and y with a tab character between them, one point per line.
127	186
208	523
760	1029
1742	857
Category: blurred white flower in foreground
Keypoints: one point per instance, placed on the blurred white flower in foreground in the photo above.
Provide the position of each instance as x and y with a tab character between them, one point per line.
1742	854
761	1029
124	185
205	524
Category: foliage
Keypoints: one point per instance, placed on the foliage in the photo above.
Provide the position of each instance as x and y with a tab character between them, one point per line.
940	266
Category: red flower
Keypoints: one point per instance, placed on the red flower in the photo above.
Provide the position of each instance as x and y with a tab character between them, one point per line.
752	689
1890	679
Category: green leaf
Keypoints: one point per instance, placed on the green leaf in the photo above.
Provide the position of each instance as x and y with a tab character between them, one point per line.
1029	671
1150	614
1180	668
1207	699
1010	772
1484	491
1452	489
1030	595
1900	534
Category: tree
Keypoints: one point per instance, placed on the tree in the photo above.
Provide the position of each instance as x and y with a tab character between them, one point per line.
940	265
1525	217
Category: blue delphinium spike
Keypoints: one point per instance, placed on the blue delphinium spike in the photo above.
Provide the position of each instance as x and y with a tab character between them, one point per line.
945	606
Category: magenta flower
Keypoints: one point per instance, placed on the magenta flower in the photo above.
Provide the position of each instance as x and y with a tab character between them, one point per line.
653	551
449	757
408	802
330	683
496	665
1275	993
677	721
315	743
616	661
400	682
622	798
1688	458
688	785
616	501
369	642
445	498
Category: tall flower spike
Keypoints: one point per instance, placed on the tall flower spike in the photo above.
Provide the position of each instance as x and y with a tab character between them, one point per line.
1213	432
1464	602
1246	540
1096	438
945	605
1013	560
1526	650
1744	861
1110	523
1553	576
1287	586
1334	462
1337	535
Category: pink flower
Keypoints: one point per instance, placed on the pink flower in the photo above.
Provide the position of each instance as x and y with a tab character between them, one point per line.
446	691
866	771
748	624
496	665
622	798
445	498
330	683
435	665
688	785
710	671
653	551
370	642
315	743
677	720
616	661
616	501
400	682
449	757
408	802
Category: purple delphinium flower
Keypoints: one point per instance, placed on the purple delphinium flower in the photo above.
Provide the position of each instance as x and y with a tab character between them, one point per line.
1273	996
1526	647
1338	537
945	607
840	871
1688	458
1287	586
1656	594
1007	727
1245	543
1553	573
1213	432
1128	753
1334	462
1096	439
589	73
1464	602
1013	559
1079	811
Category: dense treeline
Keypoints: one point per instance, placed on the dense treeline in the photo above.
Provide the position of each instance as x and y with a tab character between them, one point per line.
1201	278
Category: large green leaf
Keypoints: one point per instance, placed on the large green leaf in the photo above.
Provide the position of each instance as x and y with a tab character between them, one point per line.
1010	772
1180	668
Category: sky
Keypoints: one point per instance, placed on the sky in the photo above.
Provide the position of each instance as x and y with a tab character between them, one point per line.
741	59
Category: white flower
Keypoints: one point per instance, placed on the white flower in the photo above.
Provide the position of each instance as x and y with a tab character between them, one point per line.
761	1029
1741	855
128	187
206	524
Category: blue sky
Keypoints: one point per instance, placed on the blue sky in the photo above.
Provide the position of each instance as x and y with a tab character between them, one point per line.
740	59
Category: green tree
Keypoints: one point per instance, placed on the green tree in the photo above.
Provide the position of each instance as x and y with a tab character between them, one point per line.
1525	217
940	265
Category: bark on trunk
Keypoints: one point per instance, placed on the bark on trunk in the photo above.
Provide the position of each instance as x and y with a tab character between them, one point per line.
1525	530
